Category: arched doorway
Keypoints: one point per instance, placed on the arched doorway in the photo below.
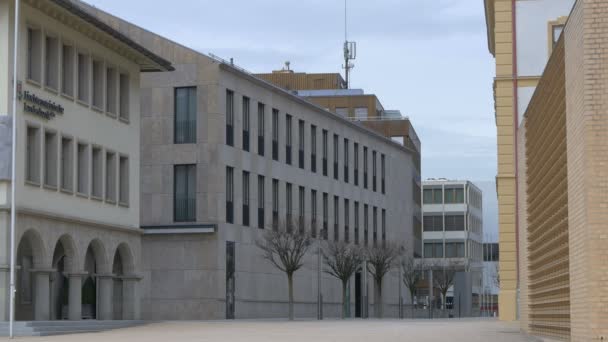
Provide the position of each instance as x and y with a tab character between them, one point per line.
122	266
94	263
63	257
30	252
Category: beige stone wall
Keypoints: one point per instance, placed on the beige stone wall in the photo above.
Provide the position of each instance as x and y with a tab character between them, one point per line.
505	180
586	63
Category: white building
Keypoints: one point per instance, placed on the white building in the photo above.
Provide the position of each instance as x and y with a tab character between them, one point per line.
452	224
77	163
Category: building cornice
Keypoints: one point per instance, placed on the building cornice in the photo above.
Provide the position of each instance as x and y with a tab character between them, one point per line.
21	210
490	20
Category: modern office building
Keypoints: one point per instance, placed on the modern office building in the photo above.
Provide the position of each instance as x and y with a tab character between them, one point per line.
521	35
491	279
77	163
226	156
452	229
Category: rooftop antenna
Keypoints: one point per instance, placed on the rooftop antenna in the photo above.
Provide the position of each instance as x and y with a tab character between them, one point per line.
350	50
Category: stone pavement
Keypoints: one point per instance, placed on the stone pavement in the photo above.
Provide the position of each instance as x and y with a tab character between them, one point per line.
470	330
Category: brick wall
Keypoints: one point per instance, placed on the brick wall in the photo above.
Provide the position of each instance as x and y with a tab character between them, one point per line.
547	276
586	38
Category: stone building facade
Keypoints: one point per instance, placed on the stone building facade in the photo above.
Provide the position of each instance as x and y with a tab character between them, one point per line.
225	157
77	163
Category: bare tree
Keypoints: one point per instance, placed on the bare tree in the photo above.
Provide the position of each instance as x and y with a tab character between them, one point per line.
380	260
342	260
285	248
443	278
413	272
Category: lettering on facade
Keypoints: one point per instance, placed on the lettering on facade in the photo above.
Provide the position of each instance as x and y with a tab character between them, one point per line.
46	109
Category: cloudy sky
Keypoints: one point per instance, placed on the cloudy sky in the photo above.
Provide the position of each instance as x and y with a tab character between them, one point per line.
428	59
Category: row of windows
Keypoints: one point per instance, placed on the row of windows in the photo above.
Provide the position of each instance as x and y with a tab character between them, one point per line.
63	68
450	195
289	158
435	223
436	250
73	166
185	206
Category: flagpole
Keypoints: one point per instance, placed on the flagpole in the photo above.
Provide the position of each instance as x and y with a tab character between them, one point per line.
13	172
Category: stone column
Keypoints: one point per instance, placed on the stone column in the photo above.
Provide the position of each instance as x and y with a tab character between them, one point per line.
104	301
75	296
42	294
130	298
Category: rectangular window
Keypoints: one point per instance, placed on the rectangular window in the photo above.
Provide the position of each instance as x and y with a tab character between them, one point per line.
454	222
432	223
275	204
433	250
313	213
289	206
361	113
365	224
245	123
33	155
229	194
98	84
123	185
288	138
375	225
374	170
454	195
437	196
50	159
246	198
261	202
184	193
454	249
185	115
51	57
96	172
313	148
427	196
111	91
346	220
301	208
275	134
383	225
123	94
364	167
111	177
324	233
346	161
229	117
356	161
336	156
356	223
336	218
67	70
34	51
83	169
83	77
67	164
325	152
301	144
261	128
382	173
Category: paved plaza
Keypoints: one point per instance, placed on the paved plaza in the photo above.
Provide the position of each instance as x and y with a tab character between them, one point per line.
470	330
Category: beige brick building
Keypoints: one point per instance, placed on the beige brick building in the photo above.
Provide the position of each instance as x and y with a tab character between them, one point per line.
563	193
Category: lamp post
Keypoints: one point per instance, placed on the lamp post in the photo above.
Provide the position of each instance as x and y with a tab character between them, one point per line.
13	174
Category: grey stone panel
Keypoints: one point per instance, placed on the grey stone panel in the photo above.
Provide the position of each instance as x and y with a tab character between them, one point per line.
5	147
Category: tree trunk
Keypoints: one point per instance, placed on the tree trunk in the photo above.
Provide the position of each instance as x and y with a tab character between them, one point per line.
378	307
344	299
290	284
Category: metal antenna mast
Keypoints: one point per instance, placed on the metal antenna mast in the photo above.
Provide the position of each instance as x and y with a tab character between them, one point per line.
350	50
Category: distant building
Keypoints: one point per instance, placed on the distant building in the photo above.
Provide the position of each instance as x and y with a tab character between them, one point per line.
491	279
453	229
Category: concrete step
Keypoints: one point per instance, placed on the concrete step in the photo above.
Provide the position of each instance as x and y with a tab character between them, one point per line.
46	328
